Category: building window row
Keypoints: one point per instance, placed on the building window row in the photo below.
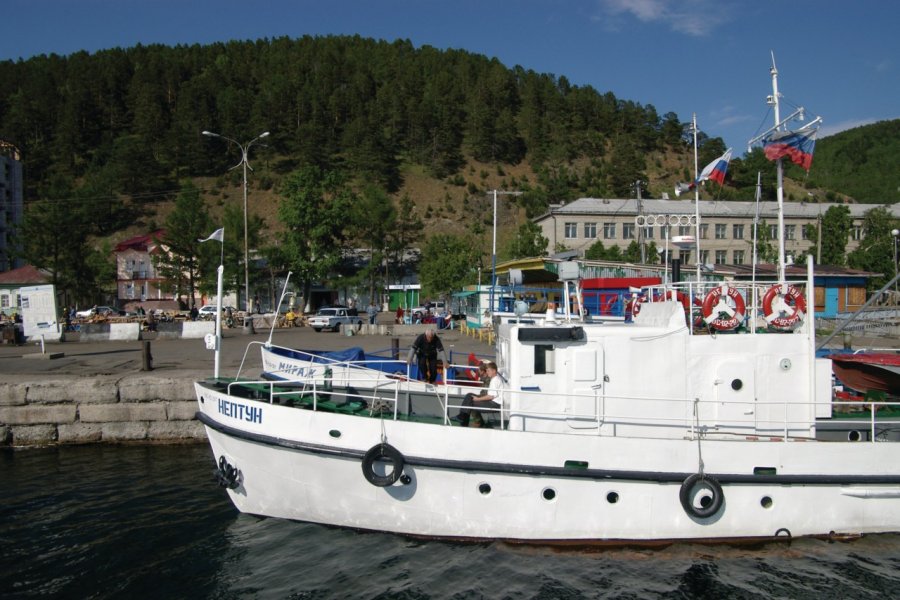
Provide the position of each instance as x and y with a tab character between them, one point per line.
720	232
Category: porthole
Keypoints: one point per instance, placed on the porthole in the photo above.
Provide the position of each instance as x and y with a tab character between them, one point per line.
766	502
484	489
612	497
334	433
549	494
737	384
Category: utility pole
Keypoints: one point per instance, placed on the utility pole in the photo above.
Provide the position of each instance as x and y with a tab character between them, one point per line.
640	211
818	240
494	246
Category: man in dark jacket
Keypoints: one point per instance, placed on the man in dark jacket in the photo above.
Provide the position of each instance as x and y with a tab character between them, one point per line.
426	349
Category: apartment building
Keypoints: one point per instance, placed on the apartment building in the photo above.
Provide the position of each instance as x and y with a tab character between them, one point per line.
725	228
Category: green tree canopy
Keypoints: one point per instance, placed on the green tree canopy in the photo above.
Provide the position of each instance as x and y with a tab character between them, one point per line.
185	258
876	249
836	224
447	262
528	242
314	209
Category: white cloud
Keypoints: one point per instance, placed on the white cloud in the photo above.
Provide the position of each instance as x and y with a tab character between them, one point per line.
691	17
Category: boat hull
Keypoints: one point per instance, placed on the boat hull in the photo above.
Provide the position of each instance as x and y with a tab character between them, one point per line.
531	487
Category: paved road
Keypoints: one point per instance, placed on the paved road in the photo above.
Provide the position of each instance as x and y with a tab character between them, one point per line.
111	358
114	357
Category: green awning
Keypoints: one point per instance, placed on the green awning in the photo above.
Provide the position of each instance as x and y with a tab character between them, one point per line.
463	294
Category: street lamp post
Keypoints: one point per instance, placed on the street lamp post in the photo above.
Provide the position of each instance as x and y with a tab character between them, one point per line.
895	233
245	148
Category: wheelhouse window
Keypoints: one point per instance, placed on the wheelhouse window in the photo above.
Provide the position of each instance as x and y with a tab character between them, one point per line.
544	359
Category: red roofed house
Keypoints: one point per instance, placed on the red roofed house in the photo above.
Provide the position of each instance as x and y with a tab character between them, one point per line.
12	281
137	281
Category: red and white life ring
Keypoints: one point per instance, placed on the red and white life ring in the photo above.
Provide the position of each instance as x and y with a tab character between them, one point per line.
633	307
792	310
714	305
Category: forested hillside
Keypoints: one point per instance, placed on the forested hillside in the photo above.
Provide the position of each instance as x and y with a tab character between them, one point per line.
109	138
862	163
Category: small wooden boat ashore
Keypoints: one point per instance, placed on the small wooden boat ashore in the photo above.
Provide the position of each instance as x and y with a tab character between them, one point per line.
869	371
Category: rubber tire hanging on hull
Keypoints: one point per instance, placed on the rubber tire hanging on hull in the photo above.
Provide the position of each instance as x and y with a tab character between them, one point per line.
698	482
381	452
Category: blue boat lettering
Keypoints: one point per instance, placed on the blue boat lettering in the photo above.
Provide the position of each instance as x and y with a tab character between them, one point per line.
291	369
251	414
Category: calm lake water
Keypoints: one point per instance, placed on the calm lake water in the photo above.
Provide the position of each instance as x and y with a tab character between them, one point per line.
147	522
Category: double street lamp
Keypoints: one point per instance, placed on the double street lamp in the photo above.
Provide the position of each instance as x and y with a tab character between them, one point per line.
245	148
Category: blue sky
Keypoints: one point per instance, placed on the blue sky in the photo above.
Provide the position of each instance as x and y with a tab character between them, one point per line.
839	59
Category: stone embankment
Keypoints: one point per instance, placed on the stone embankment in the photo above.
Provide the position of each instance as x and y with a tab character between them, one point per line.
139	407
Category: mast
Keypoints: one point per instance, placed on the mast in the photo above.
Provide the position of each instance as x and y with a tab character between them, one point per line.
774	100
696	197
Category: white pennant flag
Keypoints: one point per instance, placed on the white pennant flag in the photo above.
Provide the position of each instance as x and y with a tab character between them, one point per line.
217	235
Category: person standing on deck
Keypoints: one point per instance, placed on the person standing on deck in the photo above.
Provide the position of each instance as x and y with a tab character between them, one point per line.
426	349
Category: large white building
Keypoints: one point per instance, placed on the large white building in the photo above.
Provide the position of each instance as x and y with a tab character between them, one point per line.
11	204
726	227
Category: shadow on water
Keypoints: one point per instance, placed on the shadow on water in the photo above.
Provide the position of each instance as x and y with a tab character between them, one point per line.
147	522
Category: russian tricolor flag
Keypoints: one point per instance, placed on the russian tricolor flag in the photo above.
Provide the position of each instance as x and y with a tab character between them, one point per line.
715	170
796	145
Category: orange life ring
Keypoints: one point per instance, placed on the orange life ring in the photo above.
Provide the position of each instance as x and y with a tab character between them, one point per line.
712	316
793	299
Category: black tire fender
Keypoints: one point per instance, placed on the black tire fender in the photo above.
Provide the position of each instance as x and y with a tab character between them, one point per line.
382	452
714	497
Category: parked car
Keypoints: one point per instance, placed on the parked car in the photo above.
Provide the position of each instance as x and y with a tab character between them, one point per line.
334	318
97	310
208	312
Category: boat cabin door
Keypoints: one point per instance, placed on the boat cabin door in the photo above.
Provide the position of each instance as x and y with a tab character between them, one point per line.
735	395
585	402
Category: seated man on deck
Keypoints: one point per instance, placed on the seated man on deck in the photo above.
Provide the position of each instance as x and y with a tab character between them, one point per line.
492	398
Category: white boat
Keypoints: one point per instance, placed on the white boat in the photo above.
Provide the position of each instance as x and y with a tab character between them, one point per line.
646	432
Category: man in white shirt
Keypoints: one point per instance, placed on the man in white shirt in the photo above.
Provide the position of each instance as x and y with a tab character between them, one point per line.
492	398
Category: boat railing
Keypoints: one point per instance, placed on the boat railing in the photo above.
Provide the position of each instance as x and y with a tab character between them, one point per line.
692	418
